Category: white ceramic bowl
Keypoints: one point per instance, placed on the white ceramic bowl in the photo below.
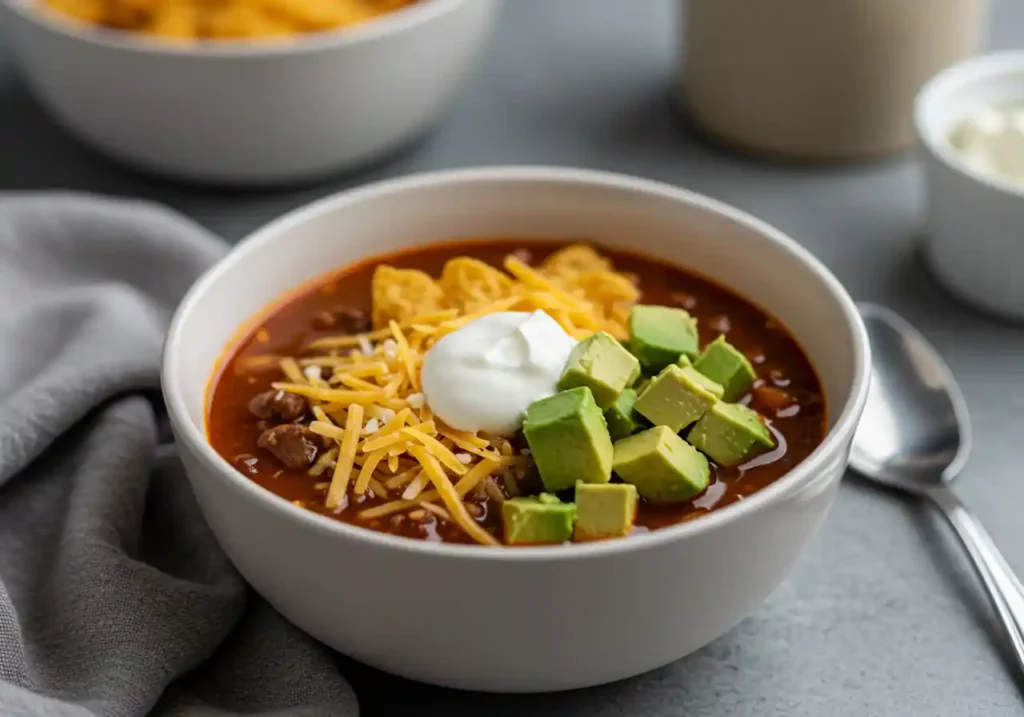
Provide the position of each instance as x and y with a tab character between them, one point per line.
526	619
250	112
974	243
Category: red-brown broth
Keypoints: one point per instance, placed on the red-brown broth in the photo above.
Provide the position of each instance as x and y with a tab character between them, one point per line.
289	326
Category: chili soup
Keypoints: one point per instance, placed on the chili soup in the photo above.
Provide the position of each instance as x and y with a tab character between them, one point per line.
506	392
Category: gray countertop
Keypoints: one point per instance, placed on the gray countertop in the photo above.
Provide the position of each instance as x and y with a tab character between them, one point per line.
881	616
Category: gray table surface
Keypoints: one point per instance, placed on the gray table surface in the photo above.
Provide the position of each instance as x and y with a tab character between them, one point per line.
881	616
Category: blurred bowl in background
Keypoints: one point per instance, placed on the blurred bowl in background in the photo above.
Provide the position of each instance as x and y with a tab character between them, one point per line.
817	81
974	244
251	112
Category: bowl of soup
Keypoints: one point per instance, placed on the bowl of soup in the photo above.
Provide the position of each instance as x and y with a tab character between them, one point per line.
246	93
516	429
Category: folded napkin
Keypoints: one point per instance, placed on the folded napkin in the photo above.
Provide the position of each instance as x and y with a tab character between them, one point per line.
114	597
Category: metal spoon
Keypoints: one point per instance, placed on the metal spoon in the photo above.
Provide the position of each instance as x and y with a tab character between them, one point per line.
915	436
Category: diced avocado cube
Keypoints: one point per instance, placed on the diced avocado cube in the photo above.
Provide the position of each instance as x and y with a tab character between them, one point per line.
730	434
604	510
677	397
537	521
684	361
659	335
723	364
569	440
663	467
621	417
603	365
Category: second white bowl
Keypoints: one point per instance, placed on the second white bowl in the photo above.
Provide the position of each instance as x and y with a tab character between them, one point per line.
973	242
251	112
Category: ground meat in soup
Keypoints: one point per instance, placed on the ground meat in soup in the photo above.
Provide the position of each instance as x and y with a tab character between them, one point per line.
294	445
277	406
343	320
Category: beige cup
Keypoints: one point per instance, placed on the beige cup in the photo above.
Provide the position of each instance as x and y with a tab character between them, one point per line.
817	80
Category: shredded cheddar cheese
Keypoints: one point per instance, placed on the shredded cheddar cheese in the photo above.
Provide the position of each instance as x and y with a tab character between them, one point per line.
346	458
365	391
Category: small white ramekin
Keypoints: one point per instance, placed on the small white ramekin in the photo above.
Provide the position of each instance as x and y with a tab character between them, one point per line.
975	221
249	112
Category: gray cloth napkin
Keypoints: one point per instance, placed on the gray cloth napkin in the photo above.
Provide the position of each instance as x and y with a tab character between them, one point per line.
114	597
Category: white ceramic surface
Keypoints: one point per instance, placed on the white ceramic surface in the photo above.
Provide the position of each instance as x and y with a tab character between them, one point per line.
975	243
251	113
529	619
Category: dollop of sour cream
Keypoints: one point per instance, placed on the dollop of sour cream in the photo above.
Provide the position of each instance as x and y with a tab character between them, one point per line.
483	376
992	141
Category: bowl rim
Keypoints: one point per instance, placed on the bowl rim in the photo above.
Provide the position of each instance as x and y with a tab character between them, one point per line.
840	434
936	92
390	23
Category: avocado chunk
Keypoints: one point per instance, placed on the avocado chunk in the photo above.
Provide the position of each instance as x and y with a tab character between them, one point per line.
660	335
663	467
537	521
604	510
621	417
724	364
730	434
677	397
684	361
603	365
569	440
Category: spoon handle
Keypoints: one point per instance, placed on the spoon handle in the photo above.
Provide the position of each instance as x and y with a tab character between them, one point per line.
1004	589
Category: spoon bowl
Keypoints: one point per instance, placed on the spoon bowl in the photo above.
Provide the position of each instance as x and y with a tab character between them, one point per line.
916	431
915	436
